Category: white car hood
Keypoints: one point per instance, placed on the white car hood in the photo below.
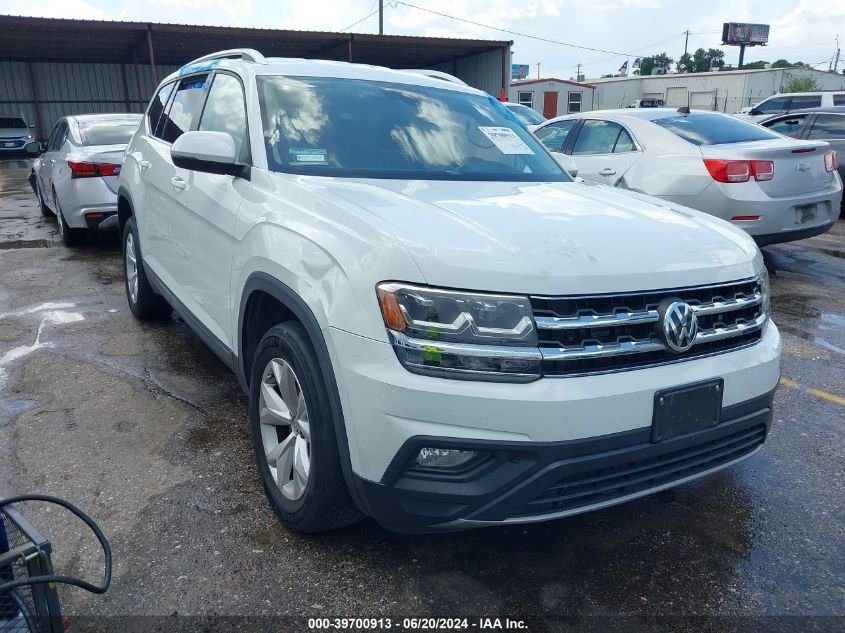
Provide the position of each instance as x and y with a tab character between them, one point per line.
14	132
550	238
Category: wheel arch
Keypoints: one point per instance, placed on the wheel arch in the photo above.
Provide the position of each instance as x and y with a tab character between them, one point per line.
125	210
265	302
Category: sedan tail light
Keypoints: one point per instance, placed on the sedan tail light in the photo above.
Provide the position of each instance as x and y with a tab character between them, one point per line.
831	161
92	170
739	170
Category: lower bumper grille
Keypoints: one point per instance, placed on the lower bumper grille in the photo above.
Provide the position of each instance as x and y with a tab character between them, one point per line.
620	480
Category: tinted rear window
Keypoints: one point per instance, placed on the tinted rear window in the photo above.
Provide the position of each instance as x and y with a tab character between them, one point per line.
714	129
108	132
11	121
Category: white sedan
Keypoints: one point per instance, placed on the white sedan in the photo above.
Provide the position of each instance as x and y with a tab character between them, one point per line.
76	176
777	188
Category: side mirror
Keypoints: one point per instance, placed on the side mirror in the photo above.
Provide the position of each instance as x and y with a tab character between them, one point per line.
754	112
33	147
209	152
566	161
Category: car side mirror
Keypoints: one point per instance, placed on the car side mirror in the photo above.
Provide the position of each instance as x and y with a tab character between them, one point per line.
209	152
754	112
33	147
567	162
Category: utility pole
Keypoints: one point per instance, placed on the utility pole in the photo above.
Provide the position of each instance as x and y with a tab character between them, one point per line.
538	70
836	61
380	17
578	72
686	41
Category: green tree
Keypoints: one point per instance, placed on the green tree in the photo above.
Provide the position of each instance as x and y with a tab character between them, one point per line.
648	64
755	65
800	84
781	63
701	60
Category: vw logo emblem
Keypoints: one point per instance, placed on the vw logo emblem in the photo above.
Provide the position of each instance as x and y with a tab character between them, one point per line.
680	326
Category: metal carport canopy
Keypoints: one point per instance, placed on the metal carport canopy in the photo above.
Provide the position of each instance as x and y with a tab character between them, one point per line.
56	40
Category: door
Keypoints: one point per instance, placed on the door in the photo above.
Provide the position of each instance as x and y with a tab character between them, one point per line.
830	127
163	199
49	158
203	222
603	151
550	104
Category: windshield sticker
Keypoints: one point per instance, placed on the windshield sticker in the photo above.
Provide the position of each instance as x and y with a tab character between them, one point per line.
506	140
308	156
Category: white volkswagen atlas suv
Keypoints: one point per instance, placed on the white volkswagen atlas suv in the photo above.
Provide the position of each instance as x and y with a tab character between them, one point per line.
436	325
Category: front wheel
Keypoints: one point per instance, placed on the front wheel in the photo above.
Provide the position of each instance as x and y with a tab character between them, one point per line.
293	434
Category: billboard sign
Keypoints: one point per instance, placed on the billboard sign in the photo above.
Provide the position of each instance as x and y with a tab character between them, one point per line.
519	71
742	34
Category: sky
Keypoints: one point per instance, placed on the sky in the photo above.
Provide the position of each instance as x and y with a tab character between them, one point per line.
802	30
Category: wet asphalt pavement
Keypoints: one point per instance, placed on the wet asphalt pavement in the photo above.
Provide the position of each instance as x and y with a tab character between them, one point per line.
142	427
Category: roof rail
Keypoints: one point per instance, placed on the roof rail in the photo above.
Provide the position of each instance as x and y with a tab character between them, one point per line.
247	54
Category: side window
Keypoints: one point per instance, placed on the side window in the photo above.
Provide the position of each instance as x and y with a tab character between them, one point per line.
598	137
781	104
624	143
805	101
526	98
184	108
225	110
57	139
574	102
51	141
839	99
828	126
789	126
157	106
553	136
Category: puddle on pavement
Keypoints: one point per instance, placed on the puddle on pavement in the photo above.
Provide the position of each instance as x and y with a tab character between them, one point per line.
812	338
19	244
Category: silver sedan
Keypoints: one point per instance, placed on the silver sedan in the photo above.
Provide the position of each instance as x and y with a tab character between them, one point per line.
75	177
777	188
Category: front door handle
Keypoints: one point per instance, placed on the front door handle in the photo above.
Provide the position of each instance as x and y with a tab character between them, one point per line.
144	164
607	171
178	183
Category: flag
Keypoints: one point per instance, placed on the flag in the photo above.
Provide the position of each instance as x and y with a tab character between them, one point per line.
636	64
624	68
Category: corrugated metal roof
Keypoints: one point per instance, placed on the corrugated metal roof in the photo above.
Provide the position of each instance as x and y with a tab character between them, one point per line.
719	73
52	39
526	82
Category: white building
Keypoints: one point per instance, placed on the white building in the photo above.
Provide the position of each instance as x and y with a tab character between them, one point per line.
553	97
726	91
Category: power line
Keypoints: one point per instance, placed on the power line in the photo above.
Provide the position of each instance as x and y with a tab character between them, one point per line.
496	28
369	15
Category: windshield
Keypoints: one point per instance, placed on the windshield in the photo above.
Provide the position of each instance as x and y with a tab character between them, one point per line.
111	132
371	129
714	129
12	122
526	114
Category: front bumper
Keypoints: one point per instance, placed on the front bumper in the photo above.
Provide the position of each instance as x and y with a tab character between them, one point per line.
541	431
521	483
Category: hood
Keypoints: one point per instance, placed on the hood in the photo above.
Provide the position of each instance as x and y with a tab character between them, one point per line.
14	132
549	238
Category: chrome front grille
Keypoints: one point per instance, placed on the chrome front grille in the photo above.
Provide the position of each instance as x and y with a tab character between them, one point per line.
605	333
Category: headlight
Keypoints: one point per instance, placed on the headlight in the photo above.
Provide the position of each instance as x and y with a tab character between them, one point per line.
27	137
461	335
765	291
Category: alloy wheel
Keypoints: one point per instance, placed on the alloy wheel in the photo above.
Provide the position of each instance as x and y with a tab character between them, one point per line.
285	428
131	268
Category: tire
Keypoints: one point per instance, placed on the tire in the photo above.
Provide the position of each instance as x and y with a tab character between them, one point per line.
69	236
45	210
143	301
321	502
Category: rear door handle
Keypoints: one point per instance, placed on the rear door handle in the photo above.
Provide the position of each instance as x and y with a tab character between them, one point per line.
607	171
144	164
178	183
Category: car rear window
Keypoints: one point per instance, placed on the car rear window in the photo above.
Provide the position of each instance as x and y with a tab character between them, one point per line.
714	129
108	132
12	121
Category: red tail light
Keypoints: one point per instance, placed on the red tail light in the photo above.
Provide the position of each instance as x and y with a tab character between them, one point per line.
831	161
92	170
739	170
